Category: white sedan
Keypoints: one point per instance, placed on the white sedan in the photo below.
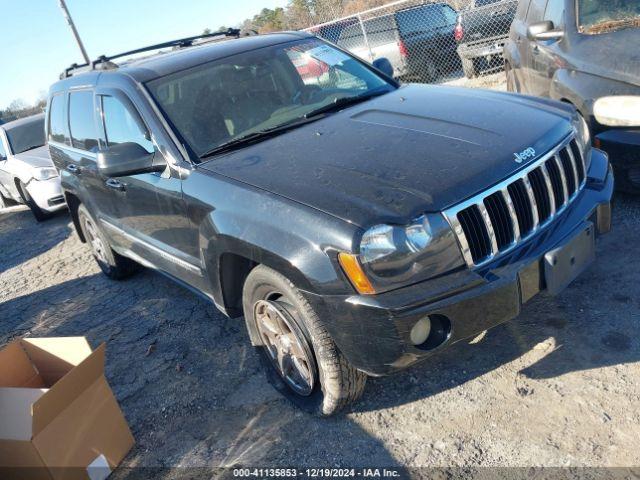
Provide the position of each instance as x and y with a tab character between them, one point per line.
27	174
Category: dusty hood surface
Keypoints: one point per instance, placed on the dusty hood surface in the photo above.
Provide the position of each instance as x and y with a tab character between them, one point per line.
609	55
419	148
38	157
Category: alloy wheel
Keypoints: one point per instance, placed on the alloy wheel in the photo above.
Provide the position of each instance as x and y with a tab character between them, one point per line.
286	346
97	245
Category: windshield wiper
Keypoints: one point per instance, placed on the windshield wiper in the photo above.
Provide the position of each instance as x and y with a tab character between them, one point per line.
342	102
253	137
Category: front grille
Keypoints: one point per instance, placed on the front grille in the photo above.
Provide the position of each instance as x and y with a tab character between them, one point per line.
500	218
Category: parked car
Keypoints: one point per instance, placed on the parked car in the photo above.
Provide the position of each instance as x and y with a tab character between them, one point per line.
584	52
359	226
481	33
382	41
418	41
27	174
427	40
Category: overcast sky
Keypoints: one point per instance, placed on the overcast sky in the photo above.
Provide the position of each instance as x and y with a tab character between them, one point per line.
36	43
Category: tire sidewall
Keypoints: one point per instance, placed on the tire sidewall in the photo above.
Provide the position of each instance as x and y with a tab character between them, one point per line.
260	286
107	268
38	213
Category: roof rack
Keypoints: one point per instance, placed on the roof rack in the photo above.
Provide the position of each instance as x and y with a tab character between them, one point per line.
105	61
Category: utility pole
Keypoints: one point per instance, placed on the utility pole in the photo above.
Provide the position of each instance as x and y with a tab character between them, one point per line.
67	15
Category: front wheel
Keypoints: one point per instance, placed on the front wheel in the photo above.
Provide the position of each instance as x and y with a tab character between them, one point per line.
113	265
302	360
39	214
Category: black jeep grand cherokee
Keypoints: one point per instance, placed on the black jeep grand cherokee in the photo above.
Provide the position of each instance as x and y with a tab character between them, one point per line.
360	226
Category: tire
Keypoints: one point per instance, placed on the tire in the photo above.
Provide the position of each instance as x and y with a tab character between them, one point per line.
113	265
332	383
469	67
39	214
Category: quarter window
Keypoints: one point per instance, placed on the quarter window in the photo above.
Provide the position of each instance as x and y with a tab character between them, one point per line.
81	121
122	125
57	120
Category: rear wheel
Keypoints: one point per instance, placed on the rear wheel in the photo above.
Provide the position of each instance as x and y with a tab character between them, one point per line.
302	361
113	265
40	214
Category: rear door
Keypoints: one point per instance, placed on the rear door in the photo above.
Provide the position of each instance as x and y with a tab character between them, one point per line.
530	48
80	157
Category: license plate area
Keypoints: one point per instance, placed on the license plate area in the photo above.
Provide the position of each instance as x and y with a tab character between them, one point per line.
564	263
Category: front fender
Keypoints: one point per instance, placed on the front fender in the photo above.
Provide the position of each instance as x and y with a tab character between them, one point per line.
583	89
298	241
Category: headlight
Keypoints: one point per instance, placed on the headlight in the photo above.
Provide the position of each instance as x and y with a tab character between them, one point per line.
618	111
45	173
391	256
388	241
583	137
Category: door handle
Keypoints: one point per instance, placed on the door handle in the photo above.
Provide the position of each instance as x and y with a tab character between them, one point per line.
536	50
74	168
115	184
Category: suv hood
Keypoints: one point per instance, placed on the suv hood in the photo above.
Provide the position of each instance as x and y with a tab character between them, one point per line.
420	148
608	55
38	157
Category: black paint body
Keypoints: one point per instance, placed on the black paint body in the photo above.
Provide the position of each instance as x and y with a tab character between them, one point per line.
294	201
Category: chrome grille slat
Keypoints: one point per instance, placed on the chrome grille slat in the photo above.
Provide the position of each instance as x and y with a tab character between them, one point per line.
547	180
512	214
532	200
494	222
574	167
565	188
488	225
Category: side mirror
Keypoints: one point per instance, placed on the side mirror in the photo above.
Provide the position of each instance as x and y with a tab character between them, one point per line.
125	159
542	31
384	65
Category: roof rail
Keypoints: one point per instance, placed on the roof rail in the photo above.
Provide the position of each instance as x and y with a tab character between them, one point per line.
105	61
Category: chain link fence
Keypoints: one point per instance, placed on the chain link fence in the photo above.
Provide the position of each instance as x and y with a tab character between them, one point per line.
455	42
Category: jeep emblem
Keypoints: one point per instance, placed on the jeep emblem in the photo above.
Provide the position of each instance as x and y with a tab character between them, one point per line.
526	154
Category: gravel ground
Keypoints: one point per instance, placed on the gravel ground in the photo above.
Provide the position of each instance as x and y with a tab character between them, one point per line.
558	386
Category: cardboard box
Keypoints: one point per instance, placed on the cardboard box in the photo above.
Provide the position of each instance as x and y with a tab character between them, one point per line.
58	415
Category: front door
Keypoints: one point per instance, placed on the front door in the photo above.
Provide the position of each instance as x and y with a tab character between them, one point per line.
545	55
153	223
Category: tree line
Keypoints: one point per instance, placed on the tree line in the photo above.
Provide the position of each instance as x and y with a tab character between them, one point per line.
19	108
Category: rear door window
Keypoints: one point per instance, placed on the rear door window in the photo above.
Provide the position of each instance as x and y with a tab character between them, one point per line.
81	121
58	120
122	125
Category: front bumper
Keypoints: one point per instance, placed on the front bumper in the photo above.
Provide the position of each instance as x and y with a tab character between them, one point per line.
47	194
485	48
623	148
373	331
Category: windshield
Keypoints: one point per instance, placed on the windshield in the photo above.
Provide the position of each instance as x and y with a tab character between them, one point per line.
220	101
26	136
601	16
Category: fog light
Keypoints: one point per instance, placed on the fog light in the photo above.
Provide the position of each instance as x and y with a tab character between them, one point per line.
420	331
